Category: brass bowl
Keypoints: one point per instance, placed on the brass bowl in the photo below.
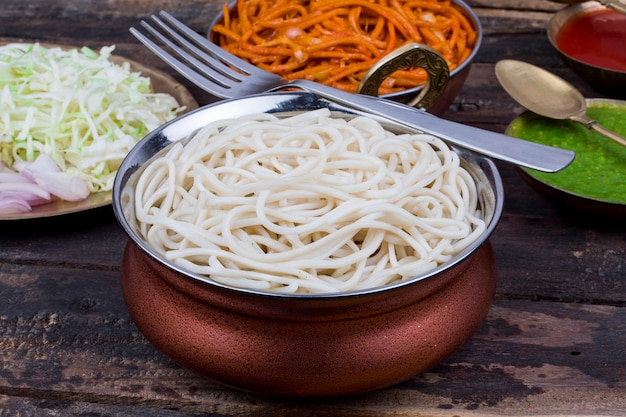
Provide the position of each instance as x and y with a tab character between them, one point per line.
412	96
610	82
318	345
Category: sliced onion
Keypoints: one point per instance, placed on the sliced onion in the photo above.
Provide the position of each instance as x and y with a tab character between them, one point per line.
11	204
35	183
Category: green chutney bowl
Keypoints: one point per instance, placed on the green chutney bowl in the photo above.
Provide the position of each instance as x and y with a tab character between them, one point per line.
595	183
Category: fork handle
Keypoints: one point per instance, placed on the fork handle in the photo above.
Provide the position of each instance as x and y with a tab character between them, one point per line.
496	145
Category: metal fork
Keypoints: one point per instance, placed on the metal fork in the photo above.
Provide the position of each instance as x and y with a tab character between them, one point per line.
224	75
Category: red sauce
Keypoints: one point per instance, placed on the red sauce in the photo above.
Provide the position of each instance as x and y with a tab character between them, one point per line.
597	38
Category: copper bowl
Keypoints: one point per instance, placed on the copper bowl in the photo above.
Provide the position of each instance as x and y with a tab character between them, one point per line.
457	76
610	82
320	345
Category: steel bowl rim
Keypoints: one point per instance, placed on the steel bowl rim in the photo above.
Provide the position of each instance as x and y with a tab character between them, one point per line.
128	167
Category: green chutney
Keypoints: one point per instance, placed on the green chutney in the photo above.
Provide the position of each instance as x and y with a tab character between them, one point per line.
599	169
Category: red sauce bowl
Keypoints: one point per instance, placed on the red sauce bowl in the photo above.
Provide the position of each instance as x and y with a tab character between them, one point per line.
590	38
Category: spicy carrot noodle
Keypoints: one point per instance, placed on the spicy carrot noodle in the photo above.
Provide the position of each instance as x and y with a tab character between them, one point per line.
335	42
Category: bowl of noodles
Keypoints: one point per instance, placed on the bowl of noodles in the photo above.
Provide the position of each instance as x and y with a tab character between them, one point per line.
337	42
288	246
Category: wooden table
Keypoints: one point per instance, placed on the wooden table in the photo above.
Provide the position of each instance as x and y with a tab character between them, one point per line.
554	342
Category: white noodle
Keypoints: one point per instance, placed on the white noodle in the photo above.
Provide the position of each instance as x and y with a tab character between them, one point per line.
307	204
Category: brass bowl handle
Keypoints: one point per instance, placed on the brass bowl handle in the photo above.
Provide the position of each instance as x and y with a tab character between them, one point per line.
410	55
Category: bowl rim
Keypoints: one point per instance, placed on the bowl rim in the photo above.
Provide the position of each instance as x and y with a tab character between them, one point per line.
275	102
465	8
566	15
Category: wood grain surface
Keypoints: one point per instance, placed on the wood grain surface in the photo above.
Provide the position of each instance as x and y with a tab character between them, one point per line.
553	344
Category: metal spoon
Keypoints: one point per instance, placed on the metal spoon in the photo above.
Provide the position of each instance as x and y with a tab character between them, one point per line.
612	4
548	95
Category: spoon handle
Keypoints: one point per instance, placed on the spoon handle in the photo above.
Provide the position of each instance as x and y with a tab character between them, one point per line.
608	133
592	124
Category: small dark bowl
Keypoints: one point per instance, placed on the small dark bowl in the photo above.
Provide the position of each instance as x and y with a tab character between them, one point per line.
610	82
457	76
299	345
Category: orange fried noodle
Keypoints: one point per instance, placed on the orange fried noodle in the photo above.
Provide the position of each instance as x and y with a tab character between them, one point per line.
335	42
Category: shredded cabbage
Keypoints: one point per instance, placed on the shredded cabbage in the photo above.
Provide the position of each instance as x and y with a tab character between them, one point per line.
76	106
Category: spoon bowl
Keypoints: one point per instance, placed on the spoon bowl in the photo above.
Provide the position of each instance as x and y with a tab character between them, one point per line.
548	95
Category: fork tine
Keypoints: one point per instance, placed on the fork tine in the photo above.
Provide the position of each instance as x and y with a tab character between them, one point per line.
204	70
209	46
201	61
201	80
200	54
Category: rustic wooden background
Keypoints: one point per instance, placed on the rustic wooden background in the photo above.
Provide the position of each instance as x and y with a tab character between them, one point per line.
554	342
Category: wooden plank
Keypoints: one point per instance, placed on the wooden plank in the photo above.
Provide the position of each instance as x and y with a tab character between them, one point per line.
553	343
515	5
92	238
18	406
66	337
